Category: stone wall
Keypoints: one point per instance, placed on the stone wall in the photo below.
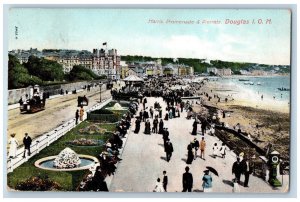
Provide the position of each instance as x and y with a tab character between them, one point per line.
15	94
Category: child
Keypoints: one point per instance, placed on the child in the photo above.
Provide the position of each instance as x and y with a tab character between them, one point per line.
215	149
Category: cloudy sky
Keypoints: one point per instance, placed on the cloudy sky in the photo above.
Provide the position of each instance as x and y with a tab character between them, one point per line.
130	32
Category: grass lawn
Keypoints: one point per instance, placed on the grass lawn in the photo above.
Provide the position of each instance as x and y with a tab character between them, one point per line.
68	180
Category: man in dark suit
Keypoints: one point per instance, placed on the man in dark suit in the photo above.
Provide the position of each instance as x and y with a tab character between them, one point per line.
169	149
165	180
187	180
247	169
237	170
27	142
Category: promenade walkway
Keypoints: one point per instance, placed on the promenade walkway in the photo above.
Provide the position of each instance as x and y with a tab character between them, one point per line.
144	161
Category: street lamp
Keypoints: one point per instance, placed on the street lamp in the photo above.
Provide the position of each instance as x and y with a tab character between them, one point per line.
100	85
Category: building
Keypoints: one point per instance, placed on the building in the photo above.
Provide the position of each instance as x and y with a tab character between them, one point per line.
258	73
224	72
212	70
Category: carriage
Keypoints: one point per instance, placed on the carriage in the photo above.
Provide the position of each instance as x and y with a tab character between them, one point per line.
82	101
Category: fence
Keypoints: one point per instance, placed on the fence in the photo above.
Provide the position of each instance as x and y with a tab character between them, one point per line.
46	139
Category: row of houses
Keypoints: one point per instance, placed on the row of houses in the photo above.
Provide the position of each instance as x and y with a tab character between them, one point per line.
228	72
154	68
219	72
105	62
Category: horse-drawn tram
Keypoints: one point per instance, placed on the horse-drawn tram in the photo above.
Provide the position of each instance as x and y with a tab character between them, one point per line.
34	102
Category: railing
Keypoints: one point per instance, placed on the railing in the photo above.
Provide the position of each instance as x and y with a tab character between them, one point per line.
46	139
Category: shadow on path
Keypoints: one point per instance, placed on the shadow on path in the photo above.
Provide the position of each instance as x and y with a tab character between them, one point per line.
228	182
163	158
161	145
197	190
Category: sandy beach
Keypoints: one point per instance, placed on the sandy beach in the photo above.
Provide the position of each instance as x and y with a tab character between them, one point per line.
266	121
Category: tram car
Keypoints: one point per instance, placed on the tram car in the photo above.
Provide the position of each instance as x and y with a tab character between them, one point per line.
82	101
34	102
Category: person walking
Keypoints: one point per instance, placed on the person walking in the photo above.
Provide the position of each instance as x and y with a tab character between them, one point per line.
207	182
187	180
190	157
13	145
147	128
169	150
223	150
194	132
76	116
81	113
155	123
215	150
165	180
158	186
247	169
144	103
137	126
151	112
165	136
237	170
202	148
161	127
196	147
27	142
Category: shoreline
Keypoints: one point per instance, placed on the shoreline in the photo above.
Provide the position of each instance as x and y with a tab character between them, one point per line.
272	118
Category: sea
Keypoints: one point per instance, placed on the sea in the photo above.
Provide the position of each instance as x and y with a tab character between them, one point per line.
262	85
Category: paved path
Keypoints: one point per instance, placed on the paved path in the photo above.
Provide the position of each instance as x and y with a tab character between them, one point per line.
144	161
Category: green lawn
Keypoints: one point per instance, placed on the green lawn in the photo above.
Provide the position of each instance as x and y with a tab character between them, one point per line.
68	180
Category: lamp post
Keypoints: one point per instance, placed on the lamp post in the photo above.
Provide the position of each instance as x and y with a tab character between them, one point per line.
100	86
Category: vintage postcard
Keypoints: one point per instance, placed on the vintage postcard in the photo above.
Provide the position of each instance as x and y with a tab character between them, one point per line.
149	100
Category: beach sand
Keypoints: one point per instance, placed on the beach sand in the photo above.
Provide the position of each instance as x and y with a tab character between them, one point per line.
272	118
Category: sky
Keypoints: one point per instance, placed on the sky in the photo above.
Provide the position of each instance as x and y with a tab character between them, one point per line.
132	32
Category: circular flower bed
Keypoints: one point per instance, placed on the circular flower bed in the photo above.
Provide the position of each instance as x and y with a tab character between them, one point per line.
38	184
67	158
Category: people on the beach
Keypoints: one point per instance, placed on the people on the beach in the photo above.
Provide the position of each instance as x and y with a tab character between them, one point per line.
187	180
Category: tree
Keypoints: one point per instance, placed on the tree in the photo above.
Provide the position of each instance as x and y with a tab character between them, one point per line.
79	72
18	76
46	70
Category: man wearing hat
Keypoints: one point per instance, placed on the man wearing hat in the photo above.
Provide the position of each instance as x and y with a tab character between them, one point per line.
168	149
187	180
196	147
27	142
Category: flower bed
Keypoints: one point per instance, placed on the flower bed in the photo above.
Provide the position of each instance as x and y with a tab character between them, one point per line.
84	142
37	183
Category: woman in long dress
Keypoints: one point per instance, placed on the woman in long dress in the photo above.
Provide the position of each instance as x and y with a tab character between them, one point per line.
13	145
190	157
147	127
161	127
223	150
194	132
137	125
